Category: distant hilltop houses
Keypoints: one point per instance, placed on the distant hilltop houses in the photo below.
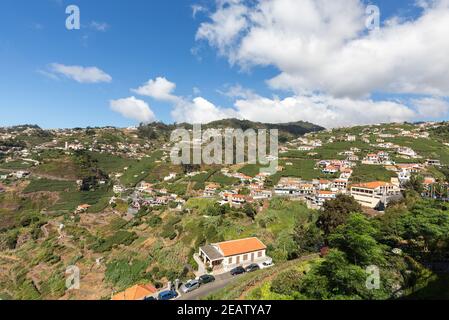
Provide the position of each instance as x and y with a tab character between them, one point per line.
372	146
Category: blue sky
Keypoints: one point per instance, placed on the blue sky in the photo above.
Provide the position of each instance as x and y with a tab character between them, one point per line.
141	40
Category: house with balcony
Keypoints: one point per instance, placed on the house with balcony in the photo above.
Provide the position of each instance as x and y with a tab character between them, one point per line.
211	190
376	194
234	200
224	256
288	187
322	196
408	152
261	194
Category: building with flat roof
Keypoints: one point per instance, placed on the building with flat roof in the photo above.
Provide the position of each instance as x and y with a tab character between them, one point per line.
376	194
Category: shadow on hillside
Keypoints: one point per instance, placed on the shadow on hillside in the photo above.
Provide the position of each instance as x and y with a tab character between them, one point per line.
435	290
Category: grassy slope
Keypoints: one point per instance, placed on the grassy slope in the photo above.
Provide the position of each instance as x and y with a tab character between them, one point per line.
249	286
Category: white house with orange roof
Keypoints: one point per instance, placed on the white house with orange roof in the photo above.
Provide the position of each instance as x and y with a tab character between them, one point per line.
211	190
234	199
332	169
322	196
340	184
224	256
375	194
324	184
261	194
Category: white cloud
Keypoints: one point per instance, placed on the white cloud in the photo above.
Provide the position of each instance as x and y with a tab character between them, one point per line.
99	26
323	46
196	91
133	108
159	89
431	108
227	23
237	91
200	110
197	9
80	74
323	110
48	74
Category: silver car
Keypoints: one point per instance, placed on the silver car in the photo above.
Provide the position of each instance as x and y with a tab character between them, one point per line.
190	286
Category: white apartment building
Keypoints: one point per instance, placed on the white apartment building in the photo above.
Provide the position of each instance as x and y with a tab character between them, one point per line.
375	194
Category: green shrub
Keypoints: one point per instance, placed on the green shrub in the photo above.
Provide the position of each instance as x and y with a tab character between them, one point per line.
124	273
287	282
154	221
120	238
54	286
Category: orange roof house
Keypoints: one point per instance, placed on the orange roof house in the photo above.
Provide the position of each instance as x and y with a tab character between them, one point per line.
236	247
224	256
137	292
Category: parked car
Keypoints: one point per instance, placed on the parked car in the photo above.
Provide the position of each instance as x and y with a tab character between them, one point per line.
266	264
252	267
167	295
149	298
237	271
206	278
190	286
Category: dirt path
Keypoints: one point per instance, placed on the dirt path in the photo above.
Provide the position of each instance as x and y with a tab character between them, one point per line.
50	177
10	258
45	231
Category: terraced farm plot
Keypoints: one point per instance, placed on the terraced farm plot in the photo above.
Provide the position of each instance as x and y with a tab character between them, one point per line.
223	180
367	173
427	148
251	170
304	169
332	150
64	168
16	165
69	201
111	163
201	179
138	171
39	185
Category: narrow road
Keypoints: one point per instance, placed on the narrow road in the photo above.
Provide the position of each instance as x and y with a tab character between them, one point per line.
206	289
225	279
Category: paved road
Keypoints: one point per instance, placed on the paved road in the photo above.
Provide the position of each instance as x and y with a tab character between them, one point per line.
221	282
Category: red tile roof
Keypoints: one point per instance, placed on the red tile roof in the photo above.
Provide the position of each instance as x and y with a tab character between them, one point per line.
242	246
137	292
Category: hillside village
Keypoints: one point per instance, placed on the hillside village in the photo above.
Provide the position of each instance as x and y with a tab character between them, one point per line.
110	201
